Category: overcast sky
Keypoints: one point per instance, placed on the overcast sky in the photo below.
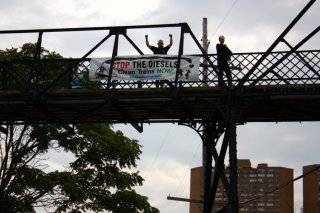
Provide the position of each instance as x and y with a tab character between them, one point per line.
169	150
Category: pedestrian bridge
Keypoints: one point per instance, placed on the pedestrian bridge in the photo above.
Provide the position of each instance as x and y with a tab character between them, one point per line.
284	87
267	87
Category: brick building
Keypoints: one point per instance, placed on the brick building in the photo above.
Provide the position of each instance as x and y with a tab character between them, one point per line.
311	189
252	182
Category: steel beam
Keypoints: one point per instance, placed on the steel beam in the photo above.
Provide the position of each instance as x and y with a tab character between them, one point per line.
207	170
74	65
219	173
293	50
276	42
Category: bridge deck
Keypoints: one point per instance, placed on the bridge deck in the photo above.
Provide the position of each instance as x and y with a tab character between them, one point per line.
134	105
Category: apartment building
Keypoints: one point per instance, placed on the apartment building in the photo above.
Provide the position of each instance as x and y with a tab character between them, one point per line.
311	188
257	189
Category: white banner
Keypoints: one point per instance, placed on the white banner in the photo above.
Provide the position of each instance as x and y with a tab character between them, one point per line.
145	67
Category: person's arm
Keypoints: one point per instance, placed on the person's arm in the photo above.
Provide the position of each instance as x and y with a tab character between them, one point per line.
170	44
147	41
218	48
229	53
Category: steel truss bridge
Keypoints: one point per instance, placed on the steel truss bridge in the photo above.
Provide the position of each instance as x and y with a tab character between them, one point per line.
268	87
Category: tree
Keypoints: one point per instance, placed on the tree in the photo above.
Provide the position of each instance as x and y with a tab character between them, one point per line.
100	178
26	51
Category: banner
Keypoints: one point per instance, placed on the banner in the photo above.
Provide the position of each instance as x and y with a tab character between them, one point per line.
145	67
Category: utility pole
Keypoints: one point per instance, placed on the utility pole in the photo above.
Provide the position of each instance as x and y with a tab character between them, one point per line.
206	153
205	78
205	45
207	140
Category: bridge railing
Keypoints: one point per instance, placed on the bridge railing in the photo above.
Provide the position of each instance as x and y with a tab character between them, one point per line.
300	67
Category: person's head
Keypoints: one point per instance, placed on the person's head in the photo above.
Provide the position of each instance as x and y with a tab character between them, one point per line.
221	39
160	43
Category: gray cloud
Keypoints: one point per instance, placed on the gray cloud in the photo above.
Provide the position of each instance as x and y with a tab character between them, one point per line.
169	151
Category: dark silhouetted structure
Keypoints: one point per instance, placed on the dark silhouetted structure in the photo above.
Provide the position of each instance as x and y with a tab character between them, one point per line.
223	56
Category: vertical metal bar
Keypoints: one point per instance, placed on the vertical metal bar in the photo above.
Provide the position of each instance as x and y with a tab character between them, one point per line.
205	55
231	125
180	53
36	57
114	54
205	46
210	128
37	52
277	41
206	183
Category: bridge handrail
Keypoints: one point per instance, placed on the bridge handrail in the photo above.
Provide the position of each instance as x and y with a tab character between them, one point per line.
301	67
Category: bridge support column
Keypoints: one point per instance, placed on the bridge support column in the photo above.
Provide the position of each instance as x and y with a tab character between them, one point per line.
208	143
211	132
224	123
210	183
232	138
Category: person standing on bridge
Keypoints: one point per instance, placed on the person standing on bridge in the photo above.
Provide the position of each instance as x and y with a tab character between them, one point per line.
223	56
160	49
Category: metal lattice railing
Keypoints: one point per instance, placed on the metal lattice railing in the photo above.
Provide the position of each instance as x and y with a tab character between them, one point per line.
300	67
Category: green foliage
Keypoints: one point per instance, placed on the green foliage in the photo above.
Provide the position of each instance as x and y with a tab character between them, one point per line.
21	68
26	52
100	177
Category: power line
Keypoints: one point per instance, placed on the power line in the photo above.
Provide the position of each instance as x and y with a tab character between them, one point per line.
281	186
224	18
159	150
188	169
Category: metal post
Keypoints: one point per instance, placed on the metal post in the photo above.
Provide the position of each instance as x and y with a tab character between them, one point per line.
114	54
207	165
205	46
206	153
232	135
33	75
180	53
